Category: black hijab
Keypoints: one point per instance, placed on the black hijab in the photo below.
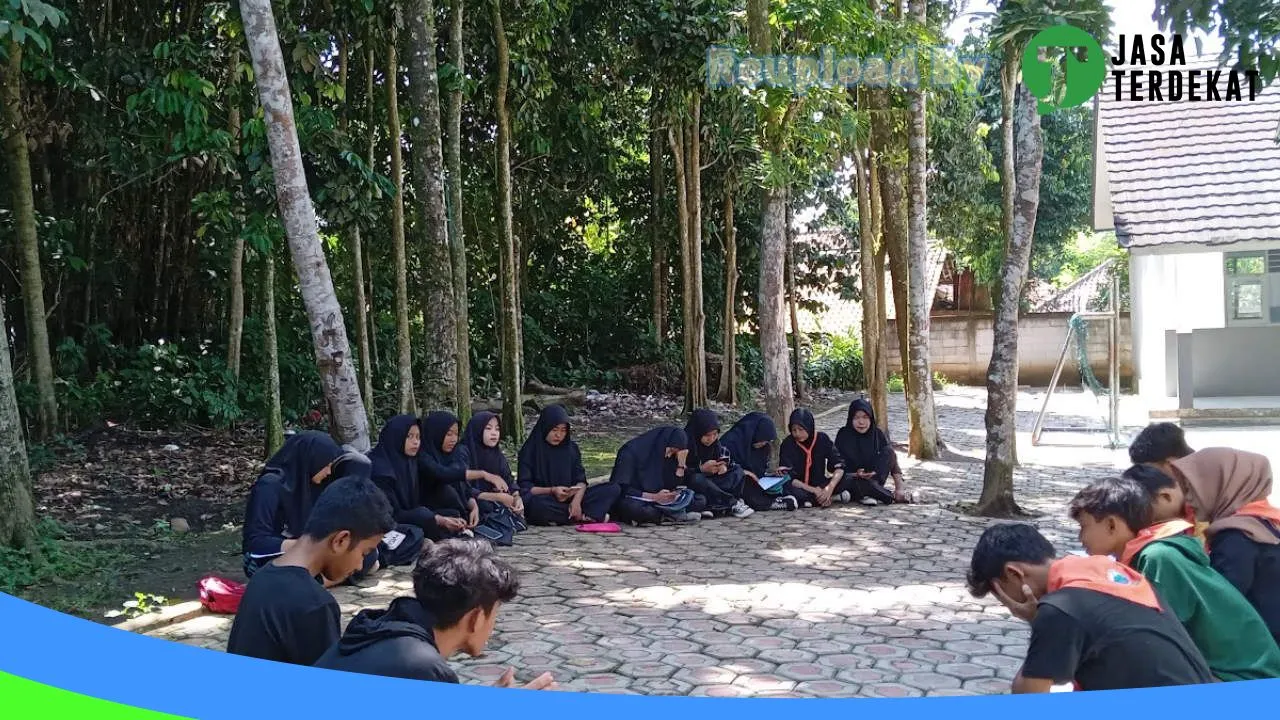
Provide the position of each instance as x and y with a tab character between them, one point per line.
293	466
393	471
435	426
740	440
545	465
642	461
860	451
481	456
701	422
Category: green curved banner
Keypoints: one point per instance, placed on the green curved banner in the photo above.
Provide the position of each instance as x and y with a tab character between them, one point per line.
26	699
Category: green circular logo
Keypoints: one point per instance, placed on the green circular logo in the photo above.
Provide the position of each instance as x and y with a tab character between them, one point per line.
1082	79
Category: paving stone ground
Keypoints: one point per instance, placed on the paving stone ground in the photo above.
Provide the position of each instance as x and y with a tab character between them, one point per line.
843	602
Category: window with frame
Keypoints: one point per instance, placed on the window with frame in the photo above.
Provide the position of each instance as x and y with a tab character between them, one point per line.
1253	287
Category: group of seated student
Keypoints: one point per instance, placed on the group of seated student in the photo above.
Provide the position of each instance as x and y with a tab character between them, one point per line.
1153	603
459	586
444	483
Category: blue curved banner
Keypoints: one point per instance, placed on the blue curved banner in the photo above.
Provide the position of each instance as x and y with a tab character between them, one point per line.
57	651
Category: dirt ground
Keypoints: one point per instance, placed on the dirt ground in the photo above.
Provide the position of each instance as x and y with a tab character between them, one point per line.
122	496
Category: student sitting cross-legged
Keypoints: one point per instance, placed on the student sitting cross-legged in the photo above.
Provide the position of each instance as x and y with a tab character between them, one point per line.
286	614
650	469
817	472
395	472
1094	622
1117	517
484	454
553	480
458	587
398	473
281	499
1229	490
712	471
442	465
869	458
748	443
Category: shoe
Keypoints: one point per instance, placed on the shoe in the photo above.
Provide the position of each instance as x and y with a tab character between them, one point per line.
786	502
706	515
869	501
742	510
844	496
689	517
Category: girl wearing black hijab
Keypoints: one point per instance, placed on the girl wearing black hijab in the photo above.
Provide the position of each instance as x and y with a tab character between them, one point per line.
395	472
553	481
715	474
281	498
817	470
748	444
869	457
442	465
484	432
649	469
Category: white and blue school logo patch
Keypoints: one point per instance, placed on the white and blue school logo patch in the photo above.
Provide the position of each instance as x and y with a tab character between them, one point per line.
1117	577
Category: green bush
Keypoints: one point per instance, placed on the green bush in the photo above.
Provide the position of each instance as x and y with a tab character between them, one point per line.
896	384
835	361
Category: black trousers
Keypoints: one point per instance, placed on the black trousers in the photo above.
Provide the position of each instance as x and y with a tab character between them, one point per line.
721	491
634	510
597	502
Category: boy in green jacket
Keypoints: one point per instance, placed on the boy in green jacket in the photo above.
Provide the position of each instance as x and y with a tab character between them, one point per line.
1137	519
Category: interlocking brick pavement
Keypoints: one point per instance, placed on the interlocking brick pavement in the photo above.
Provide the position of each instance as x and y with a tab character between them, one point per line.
850	601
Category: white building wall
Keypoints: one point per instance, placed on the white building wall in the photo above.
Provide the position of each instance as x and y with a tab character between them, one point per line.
1172	291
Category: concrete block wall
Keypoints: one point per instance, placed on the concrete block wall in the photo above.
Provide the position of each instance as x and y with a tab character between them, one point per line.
960	346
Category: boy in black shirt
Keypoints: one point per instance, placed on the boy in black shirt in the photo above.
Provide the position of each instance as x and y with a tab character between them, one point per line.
286	614
459	586
1094	622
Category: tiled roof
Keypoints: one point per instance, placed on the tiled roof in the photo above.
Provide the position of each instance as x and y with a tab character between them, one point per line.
1206	173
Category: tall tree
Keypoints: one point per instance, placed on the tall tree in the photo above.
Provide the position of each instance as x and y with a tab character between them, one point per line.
440	301
873	353
235	320
793	306
17	513
347	417
778	398
658	242
404	341
685	142
512	417
357	258
728	390
1016	22
13	127
457	241
274	421
924	442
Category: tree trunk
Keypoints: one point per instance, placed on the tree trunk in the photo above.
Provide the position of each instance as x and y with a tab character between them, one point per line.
693	175
18	160
404	341
275	424
347	417
1008	96
1002	375
778	396
924	442
512	418
235	322
677	140
17	511
441	350
793	303
357	262
882	294
728	392
873	350
658	240
457	242
893	222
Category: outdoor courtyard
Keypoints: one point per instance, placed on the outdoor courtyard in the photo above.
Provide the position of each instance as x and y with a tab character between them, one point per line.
852	601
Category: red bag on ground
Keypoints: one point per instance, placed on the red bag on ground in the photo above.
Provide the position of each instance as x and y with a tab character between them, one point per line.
220	595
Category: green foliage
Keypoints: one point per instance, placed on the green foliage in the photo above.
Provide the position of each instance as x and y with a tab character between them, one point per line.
141	604
896	384
1250	29
836	362
54	560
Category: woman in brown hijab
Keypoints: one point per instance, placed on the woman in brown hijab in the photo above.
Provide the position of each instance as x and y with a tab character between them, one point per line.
1230	490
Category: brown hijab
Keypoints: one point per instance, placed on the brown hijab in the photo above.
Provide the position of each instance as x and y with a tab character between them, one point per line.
1220	482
